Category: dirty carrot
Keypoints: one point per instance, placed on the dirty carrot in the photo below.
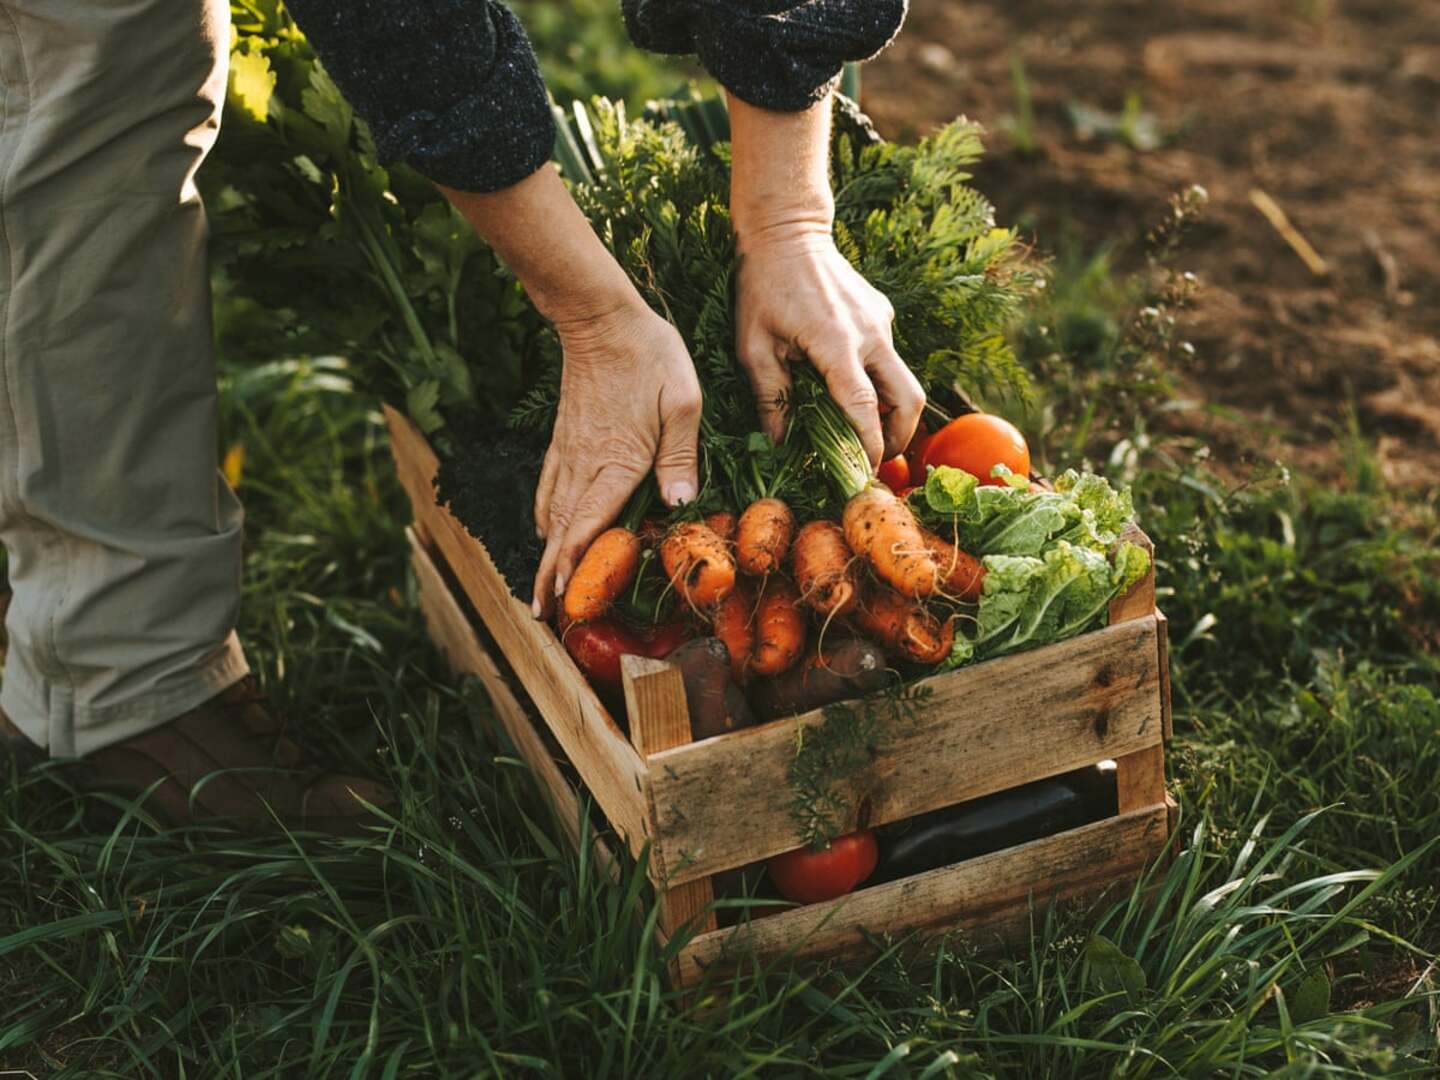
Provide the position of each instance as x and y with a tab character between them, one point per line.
779	628
698	564
722	523
824	570
605	571
904	627
735	626
882	529
763	536
961	574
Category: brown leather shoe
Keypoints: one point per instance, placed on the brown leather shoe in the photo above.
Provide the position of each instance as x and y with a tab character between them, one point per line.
232	759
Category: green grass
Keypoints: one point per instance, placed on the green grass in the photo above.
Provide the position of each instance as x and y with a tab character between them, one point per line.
1294	934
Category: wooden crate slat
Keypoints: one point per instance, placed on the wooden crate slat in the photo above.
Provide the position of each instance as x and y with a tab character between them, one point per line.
1162	628
599	751
452	633
989	895
655	699
722	802
1139	602
1140	778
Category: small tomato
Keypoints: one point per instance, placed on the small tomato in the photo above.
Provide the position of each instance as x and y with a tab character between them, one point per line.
977	442
597	647
895	473
808	877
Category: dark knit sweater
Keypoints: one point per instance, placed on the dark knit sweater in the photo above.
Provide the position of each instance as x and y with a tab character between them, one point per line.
452	88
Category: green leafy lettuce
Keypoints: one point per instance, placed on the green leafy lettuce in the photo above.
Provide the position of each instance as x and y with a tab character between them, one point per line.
1053	559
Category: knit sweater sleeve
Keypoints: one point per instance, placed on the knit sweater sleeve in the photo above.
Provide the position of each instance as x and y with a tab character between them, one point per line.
777	54
449	86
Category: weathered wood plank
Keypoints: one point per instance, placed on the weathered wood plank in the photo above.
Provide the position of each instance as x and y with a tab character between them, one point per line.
464	653
989	897
659	720
1140	778
1162	630
986	728
1139	602
599	751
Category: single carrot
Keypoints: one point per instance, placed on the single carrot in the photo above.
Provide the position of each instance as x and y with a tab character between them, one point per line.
824	568
881	527
961	574
722	523
763	536
903	627
735	626
698	564
779	627
605	571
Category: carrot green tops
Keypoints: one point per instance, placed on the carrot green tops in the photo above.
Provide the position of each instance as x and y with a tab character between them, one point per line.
452	88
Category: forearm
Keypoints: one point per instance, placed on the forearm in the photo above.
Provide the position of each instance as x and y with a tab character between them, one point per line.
544	238
780	172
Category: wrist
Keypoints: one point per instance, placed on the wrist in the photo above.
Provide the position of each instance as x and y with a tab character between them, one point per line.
780	175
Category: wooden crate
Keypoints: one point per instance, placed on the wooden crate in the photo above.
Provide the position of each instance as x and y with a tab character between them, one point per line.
713	805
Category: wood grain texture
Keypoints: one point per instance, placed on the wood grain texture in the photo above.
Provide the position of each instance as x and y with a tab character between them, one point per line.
1162	631
655	701
465	654
1139	602
989	897
596	747
1140	778
723	802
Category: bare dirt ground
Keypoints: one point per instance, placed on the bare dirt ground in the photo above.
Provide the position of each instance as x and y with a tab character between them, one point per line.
1332	107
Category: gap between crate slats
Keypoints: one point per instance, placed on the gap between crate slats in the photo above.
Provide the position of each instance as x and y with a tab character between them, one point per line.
988	897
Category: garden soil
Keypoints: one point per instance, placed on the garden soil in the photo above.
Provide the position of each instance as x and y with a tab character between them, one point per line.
1331	107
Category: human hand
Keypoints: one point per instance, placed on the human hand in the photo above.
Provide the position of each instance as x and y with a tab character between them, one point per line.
796	296
629	398
799	298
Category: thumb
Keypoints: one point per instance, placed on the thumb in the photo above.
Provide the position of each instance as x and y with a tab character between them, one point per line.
676	471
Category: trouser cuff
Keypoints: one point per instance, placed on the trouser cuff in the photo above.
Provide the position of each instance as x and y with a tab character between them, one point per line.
45	712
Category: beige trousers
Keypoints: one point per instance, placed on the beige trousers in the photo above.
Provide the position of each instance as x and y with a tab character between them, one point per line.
123	539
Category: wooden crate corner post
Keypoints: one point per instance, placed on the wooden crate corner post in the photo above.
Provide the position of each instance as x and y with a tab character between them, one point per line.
660	720
1140	776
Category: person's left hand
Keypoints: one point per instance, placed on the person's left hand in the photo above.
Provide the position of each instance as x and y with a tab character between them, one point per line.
799	299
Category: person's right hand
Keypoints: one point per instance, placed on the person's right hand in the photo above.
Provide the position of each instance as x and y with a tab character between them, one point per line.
629	395
629	399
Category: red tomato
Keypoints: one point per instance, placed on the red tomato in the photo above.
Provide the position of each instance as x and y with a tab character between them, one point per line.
808	877
904	493
915	453
597	648
660	641
977	442
895	473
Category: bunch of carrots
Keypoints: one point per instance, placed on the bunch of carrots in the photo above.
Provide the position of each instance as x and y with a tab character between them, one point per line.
755	577
776	592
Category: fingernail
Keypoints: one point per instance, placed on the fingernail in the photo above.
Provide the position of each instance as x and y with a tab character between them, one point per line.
535	607
539	532
680	492
559	584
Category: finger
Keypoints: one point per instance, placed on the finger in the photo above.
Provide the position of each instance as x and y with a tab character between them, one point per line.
901	392
558	516
597	505
542	599
677	471
769	380
838	360
545	489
